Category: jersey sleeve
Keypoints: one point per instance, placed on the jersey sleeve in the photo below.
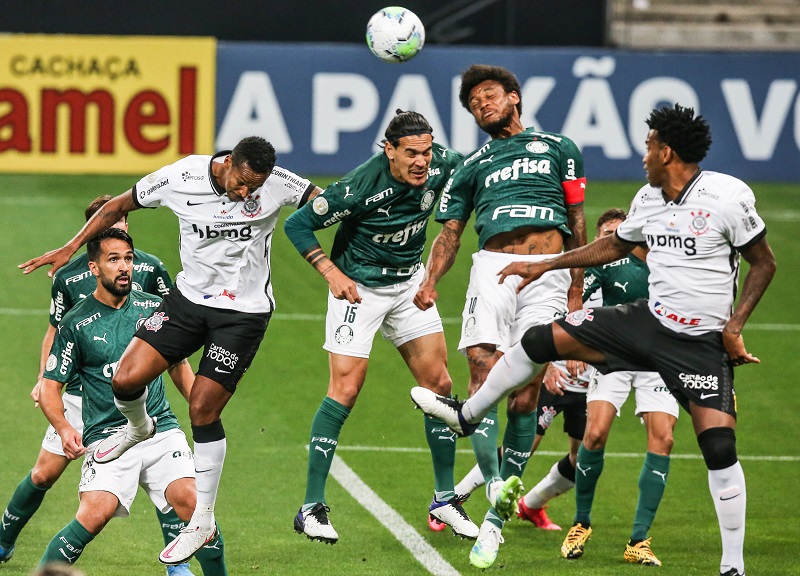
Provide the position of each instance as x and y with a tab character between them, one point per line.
60	301
573	180
334	205
150	191
592	282
159	282
743	226
290	189
456	202
630	229
64	357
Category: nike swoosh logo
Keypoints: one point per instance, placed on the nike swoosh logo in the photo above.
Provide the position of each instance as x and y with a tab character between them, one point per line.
190	203
202	471
729	497
106	453
704	396
218	369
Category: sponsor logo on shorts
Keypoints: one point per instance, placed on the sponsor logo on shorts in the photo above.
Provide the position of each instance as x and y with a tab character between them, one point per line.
156	321
87	475
547	416
469	326
182	454
225	358
699	381
580	316
344	334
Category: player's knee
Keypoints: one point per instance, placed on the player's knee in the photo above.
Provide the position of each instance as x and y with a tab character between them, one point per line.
595	437
182	496
43	478
539	344
660	442
718	446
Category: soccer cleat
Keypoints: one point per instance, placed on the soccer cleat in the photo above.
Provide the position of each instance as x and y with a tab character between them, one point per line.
504	494
732	572
120	442
448	410
315	525
536	515
190	539
179	570
640	553
577	536
435	524
484	552
452	513
6	554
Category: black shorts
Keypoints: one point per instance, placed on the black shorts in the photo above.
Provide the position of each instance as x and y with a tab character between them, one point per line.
695	368
571	404
178	328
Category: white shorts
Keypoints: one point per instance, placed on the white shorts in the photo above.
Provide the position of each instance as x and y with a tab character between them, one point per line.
153	464
495	314
350	328
651	393
73	412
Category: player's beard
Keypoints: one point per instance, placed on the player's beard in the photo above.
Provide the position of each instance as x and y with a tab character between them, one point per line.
114	288
496	127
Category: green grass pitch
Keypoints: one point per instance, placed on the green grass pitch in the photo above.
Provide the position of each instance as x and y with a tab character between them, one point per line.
268	420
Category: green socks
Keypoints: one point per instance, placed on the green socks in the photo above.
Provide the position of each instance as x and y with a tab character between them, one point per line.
67	545
484	444
587	472
23	505
442	442
652	482
325	430
517	443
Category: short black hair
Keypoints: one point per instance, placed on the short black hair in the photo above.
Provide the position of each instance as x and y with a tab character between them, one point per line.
95	205
478	73
688	135
93	246
256	152
610	215
406	123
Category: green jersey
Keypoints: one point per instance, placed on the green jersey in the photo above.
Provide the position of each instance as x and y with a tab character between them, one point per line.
382	222
622	281
74	282
528	179
88	345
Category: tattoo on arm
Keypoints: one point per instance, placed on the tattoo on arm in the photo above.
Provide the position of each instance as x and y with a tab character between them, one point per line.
318	259
444	249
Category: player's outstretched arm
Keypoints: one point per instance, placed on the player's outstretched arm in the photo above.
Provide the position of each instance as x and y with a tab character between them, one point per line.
762	269
601	251
53	408
443	254
576	221
109	214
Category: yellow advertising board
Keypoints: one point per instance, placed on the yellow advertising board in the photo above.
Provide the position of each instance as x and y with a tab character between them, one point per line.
104	104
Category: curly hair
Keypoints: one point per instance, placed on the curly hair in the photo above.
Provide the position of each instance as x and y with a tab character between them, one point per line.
688	135
256	152
478	73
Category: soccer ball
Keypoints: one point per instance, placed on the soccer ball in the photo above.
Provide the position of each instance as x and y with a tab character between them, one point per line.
395	34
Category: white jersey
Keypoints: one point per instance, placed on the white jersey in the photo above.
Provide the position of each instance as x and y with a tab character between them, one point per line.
694	248
224	245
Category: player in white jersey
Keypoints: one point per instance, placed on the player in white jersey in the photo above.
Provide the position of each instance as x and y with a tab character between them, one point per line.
227	206
696	223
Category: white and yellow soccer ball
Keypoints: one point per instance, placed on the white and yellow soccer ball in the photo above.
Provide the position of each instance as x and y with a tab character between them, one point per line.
395	34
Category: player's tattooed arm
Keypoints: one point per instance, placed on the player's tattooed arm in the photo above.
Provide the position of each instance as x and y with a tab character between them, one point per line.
341	286
576	221
443	254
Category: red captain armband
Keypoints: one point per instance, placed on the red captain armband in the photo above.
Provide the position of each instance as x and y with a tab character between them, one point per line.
574	190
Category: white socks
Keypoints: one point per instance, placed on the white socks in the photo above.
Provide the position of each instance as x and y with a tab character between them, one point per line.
135	411
552	485
470	482
727	488
208	460
514	370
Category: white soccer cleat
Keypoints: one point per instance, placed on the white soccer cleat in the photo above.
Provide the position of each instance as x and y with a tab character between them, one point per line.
448	410
190	539
314	523
504	495
484	552
454	515
120	442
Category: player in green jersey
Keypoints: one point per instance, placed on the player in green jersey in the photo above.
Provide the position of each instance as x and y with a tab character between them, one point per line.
89	342
622	281
382	208
70	286
526	188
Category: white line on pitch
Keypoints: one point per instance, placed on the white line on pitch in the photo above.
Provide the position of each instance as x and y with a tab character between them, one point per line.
410	450
424	553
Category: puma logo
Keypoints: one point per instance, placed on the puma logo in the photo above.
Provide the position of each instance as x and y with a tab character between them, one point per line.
323	450
6	524
581	469
662	475
482	432
347	192
519	465
70	559
385	210
489	159
452	437
101	338
623	286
